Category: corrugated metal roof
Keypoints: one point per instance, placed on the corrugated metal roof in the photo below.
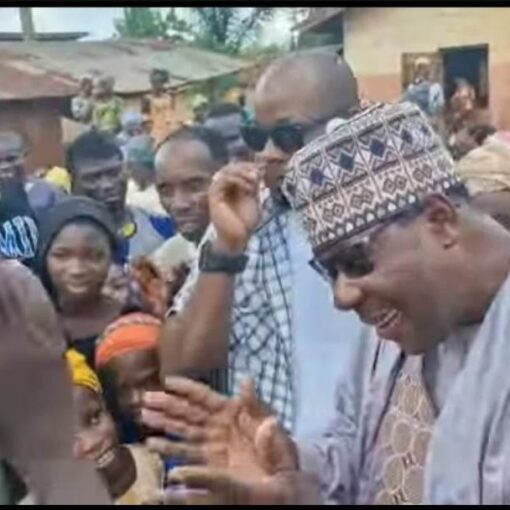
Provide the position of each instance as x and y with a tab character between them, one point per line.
52	69
44	36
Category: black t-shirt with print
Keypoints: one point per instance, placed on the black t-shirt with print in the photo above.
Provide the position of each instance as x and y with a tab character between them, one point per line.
19	234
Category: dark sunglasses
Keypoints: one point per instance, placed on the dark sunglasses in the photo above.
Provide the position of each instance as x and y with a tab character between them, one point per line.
288	137
357	260
354	262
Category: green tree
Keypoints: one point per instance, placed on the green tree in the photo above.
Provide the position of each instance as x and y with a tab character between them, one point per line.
141	22
228	29
223	29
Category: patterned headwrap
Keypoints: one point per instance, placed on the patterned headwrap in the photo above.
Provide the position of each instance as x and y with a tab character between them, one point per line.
133	332
81	373
486	169
365	170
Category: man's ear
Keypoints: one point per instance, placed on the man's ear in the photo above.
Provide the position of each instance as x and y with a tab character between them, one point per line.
442	218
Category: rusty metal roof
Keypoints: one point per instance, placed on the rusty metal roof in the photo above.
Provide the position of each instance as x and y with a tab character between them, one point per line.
44	36
34	69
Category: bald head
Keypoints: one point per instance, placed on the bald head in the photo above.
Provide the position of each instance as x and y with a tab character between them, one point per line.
315	81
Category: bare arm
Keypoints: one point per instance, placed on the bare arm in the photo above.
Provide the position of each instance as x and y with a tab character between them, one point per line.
195	341
145	105
36	413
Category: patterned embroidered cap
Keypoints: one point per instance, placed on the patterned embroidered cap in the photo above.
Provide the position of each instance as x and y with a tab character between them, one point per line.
366	170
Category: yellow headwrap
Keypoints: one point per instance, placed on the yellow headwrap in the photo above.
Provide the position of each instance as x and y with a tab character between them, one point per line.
81	373
59	177
486	169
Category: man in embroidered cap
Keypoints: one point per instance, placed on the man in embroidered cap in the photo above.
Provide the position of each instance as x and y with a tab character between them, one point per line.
393	231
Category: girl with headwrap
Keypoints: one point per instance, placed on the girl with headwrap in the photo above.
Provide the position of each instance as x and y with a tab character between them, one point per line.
77	247
132	474
127	359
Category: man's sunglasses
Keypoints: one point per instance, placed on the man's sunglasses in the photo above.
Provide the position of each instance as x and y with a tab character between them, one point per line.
354	262
357	260
288	137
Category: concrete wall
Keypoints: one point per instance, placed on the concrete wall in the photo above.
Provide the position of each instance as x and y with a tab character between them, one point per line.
39	122
375	39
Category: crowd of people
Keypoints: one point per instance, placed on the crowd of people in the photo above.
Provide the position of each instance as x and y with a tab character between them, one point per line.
167	294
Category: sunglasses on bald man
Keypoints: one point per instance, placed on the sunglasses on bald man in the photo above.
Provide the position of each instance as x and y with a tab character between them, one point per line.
289	137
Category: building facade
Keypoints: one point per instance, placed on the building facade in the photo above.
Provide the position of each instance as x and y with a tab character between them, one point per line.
471	43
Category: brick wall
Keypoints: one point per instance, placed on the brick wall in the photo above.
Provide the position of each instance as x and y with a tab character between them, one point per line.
375	39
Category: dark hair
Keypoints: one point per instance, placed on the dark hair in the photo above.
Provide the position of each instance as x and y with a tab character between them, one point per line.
481	131
221	109
212	140
163	72
93	145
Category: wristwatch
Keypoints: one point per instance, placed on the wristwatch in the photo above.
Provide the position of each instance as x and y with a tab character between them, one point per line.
211	261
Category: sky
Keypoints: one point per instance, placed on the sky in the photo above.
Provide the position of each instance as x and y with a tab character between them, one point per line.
98	21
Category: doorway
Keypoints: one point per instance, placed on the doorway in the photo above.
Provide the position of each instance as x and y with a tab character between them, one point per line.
470	63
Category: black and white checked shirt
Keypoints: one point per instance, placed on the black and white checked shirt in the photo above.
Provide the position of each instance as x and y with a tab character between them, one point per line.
261	343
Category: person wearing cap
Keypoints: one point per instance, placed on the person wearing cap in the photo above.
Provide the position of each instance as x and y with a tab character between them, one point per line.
426	420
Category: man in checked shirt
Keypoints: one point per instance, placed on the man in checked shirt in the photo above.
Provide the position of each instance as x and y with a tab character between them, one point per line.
245	309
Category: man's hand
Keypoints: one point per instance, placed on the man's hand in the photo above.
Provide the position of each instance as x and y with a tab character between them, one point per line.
244	453
234	205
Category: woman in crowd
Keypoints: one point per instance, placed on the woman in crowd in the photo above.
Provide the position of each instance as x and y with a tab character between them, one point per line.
75	254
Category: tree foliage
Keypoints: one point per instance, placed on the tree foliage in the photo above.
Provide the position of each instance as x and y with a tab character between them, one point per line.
223	29
141	22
